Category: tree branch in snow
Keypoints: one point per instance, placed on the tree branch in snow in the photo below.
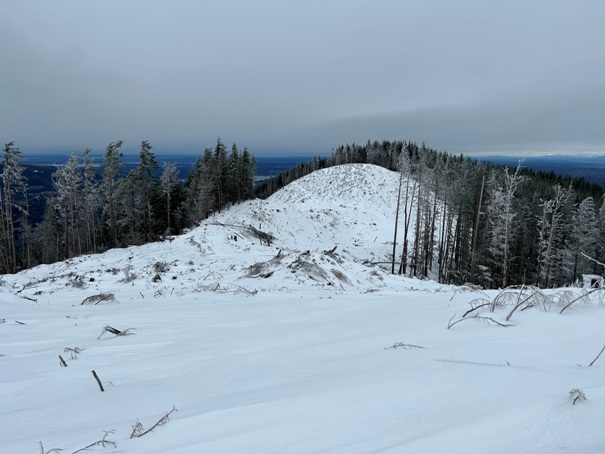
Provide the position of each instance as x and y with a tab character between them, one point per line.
402	345
579	298
94	374
488	320
116	332
50	451
519	304
138	431
595	360
74	352
478	306
102	442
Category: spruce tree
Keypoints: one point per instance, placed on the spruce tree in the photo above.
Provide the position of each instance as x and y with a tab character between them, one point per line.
14	191
112	164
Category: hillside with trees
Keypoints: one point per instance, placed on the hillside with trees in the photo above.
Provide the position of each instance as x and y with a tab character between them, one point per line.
481	223
458	220
95	207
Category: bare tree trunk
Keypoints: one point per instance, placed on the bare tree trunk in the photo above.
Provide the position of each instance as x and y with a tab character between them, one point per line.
396	220
476	234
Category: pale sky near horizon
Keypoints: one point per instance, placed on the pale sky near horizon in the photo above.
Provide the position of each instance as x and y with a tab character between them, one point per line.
284	76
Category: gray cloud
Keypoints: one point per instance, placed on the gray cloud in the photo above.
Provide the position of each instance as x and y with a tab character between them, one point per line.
571	122
290	76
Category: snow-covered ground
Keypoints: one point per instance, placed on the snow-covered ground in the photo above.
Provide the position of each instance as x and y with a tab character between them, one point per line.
289	347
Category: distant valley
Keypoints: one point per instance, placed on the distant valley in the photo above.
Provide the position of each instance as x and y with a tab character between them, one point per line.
590	167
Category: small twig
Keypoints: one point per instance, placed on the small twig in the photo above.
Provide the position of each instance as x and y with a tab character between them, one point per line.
20	323
94	374
74	352
519	304
595	360
402	345
116	332
63	363
478	317
475	308
450	324
102	442
137	429
50	451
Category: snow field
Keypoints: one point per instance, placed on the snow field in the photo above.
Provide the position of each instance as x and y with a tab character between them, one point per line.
298	361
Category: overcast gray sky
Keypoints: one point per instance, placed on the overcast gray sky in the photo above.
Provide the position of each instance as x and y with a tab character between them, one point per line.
303	76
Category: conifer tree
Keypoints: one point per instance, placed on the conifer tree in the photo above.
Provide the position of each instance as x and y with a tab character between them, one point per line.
502	215
112	164
583	238
147	185
91	202
14	198
67	184
169	183
199	184
551	224
220	173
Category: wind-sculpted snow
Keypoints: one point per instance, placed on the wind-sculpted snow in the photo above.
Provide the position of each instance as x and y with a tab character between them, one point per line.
268	329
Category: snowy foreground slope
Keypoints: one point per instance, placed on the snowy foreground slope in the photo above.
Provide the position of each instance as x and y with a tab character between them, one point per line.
284	348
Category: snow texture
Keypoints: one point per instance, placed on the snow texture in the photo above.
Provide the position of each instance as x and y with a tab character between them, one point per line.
283	344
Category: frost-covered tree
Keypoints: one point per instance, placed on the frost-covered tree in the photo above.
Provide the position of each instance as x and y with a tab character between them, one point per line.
67	181
583	238
501	215
112	164
169	182
14	203
137	192
199	185
91	202
221	174
147	186
551	228
246	177
600	242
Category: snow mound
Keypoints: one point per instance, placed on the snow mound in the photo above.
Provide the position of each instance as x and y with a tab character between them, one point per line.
357	184
350	207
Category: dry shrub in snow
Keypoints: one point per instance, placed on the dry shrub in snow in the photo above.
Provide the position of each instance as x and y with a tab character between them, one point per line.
576	395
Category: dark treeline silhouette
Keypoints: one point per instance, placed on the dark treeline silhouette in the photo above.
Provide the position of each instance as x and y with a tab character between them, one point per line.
477	222
92	208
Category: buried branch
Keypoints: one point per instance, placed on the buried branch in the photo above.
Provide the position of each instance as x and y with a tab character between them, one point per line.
139	431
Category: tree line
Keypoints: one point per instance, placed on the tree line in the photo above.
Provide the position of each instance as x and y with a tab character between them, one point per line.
464	221
96	207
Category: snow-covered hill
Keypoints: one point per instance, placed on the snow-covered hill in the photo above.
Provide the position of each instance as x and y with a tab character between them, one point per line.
283	344
347	209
